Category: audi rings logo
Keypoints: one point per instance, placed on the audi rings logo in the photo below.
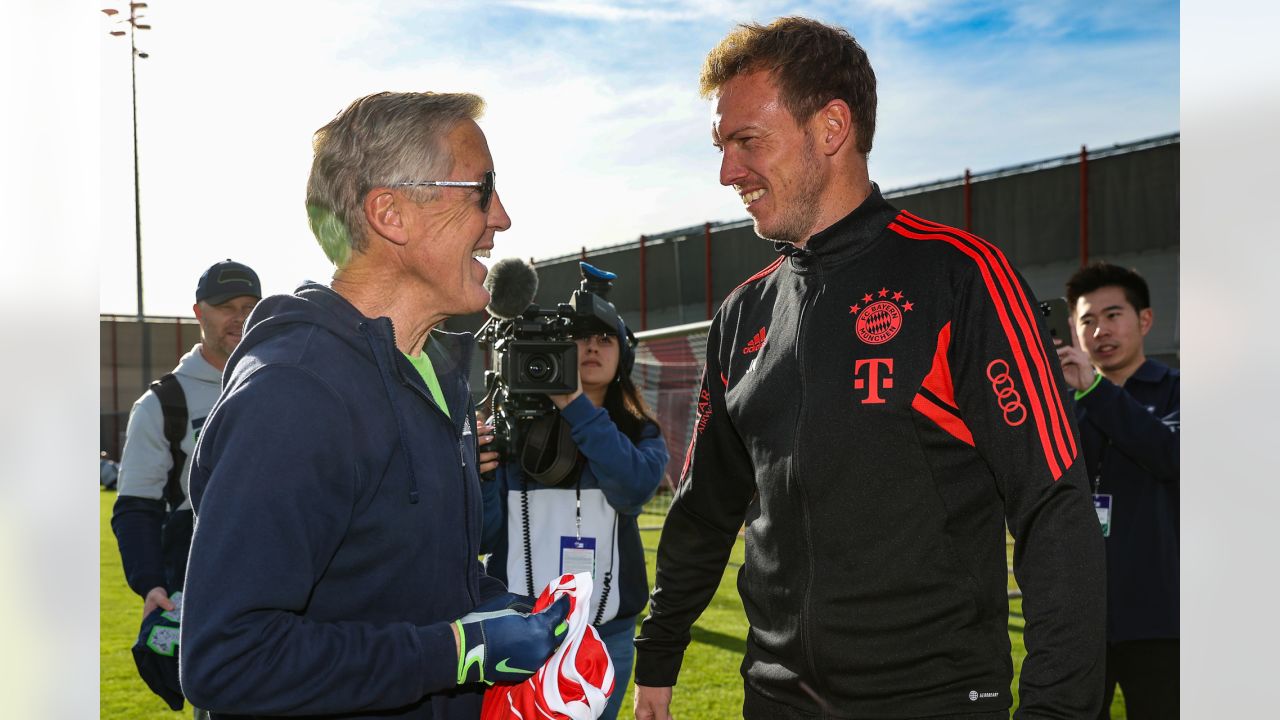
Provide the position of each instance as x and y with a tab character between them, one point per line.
1007	397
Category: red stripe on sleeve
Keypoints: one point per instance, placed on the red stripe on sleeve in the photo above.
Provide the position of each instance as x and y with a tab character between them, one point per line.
1019	356
945	420
763	273
1022	312
688	461
938	381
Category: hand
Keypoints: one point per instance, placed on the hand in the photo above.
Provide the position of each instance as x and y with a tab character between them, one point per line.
561	400
505	601
488	460
653	703
1076	368
508	646
157	597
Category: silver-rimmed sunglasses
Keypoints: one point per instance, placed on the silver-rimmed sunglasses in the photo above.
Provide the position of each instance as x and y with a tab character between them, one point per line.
485	186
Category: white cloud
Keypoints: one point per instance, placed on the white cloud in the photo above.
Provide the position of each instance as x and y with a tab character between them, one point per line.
593	116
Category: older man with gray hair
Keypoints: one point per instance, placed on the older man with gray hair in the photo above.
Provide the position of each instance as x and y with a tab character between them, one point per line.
333	570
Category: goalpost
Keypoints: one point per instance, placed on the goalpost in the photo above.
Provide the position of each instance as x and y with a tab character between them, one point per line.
667	372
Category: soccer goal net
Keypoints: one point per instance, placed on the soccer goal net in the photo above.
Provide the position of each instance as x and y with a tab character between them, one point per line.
668	371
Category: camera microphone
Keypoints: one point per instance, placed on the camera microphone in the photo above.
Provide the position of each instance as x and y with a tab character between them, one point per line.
512	284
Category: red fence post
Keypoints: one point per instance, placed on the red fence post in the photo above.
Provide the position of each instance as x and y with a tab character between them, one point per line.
706	234
644	294
1084	206
115	396
968	202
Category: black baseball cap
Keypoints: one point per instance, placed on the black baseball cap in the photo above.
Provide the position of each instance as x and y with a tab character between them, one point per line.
225	280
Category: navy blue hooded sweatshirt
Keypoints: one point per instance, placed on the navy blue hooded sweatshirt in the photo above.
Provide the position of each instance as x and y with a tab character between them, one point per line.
338	523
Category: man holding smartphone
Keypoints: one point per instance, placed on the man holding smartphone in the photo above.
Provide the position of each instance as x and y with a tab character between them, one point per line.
1128	413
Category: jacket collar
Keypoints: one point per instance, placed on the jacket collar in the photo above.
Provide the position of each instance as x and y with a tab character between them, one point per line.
844	240
1151	371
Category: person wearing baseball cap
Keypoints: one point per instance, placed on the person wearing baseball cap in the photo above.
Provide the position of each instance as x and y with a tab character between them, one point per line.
227	291
152	516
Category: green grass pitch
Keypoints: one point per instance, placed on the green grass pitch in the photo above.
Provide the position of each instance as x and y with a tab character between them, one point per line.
710	687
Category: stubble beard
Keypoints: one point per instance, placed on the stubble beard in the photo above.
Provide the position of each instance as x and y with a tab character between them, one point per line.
796	221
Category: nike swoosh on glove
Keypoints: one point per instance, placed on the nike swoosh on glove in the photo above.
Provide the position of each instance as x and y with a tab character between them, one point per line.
506	645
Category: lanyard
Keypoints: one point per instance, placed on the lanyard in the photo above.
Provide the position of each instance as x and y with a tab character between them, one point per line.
577	509
1097	478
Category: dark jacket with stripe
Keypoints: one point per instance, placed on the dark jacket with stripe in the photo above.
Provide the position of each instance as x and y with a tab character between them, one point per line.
338	523
1131	449
875	408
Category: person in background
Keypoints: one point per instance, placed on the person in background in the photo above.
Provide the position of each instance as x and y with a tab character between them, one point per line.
152	518
1127	406
108	471
585	518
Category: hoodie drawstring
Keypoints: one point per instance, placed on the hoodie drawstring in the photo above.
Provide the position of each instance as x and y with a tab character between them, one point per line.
395	409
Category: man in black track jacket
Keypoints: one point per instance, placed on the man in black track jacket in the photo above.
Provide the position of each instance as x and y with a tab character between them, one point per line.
877	404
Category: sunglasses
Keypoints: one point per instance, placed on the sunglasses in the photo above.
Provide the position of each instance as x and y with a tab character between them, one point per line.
485	186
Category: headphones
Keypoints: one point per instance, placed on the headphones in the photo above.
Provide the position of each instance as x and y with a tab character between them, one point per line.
626	348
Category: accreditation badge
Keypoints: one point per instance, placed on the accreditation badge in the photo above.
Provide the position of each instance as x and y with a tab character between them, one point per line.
1102	506
577	554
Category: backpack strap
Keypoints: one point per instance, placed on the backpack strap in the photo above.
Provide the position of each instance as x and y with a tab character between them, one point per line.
173	403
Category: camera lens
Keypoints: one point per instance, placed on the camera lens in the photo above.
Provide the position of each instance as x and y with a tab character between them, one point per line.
539	367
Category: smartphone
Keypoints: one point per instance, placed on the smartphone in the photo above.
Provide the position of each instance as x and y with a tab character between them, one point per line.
1057	317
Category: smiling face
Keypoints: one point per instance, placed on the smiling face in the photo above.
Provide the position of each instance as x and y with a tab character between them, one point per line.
221	327
448	232
597	361
1111	331
769	159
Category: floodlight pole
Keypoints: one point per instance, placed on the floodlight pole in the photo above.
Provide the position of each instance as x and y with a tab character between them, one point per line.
137	200
134	7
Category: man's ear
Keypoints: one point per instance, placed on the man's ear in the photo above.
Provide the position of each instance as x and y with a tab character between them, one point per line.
833	126
383	211
1145	318
196	309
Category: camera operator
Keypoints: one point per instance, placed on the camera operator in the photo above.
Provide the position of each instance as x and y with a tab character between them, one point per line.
582	517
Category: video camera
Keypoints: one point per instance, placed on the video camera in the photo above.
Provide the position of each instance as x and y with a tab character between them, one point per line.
535	348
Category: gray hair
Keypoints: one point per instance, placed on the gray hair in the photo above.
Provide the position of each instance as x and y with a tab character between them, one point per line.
378	140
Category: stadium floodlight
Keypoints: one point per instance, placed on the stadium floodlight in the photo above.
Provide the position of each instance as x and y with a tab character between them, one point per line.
134	55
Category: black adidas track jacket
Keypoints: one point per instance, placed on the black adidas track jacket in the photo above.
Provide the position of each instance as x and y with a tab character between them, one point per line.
875	408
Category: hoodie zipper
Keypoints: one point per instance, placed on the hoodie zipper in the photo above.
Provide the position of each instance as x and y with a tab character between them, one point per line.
466	486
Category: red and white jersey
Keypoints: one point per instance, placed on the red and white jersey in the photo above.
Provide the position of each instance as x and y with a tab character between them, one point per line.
577	680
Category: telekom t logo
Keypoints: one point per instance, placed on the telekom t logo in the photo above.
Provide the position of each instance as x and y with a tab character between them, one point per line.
878	377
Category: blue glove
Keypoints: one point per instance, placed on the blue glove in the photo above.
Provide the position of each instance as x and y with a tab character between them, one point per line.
505	601
506	645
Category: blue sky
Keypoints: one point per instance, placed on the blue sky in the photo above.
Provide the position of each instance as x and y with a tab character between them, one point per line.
593	115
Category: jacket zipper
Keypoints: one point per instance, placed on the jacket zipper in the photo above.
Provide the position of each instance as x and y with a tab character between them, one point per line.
795	474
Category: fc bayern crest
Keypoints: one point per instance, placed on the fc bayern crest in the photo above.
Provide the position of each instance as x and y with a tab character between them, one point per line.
880	320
